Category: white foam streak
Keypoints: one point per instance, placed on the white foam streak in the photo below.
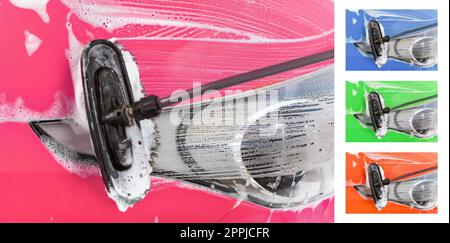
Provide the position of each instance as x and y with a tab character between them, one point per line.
39	6
113	17
32	42
19	112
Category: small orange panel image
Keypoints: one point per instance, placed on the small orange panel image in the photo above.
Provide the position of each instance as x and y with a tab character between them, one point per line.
391	183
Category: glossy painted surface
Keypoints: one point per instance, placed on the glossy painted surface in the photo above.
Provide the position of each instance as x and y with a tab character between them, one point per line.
180	42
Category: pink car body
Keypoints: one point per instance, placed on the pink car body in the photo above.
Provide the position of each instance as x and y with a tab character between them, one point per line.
183	41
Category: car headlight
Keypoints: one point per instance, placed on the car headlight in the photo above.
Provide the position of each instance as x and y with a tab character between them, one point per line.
416	117
417	189
272	146
416	46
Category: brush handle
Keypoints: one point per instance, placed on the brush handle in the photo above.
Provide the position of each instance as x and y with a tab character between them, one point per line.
147	107
253	75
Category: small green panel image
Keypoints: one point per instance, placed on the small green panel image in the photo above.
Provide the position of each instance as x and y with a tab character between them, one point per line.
408	111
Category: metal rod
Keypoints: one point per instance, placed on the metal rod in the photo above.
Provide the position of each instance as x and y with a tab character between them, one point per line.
413	102
255	74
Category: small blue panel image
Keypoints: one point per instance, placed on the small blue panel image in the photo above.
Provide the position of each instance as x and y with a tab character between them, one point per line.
413	43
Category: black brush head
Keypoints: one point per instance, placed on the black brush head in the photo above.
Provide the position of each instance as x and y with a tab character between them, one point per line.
106	87
107	90
376	38
376	110
376	182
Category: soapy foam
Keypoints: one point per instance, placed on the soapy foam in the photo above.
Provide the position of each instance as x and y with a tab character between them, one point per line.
401	190
76	48
32	42
270	216
200	144
170	39
73	55
253	40
39	6
399	48
66	158
136	180
69	160
387	15
19	112
113	16
60	108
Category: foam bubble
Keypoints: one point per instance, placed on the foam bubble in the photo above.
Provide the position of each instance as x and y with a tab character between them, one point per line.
39	6
32	43
112	17
73	55
19	112
70	160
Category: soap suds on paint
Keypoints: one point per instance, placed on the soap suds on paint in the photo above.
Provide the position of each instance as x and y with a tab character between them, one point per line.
70	160
171	23
136	180
68	108
355	11
237	203
250	36
39	6
180	32
19	112
387	15
147	126
73	55
351	39
270	216
32	42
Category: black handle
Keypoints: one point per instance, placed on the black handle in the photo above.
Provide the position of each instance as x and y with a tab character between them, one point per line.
147	107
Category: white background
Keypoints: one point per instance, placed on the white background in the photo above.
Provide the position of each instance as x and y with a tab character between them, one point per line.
442	76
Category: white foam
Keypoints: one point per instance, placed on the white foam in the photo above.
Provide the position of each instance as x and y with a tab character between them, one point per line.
270	216
69	160
388	15
19	112
352	40
236	204
39	6
73	55
111	17
355	11
32	42
147	126
136	180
